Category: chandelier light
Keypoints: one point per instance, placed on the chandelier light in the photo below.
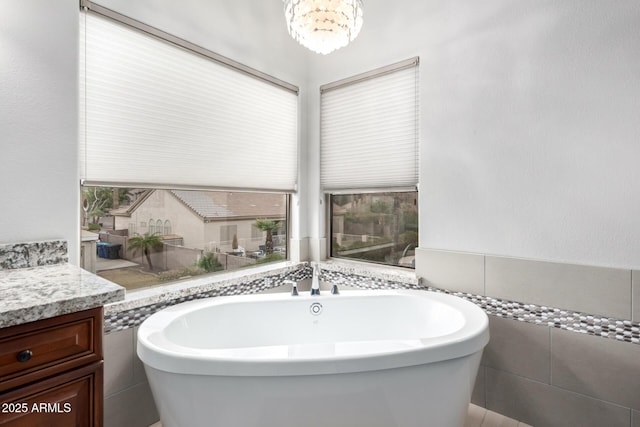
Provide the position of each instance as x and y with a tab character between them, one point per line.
323	25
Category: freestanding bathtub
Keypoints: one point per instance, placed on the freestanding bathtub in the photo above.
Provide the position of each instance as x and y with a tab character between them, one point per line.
358	359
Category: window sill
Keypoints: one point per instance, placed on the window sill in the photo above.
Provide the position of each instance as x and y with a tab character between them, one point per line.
374	271
185	288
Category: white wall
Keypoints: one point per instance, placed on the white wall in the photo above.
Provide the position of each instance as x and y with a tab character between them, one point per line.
530	130
39	194
529	124
251	32
39	95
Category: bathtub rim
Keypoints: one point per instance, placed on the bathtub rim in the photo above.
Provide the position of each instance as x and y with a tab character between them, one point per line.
467	341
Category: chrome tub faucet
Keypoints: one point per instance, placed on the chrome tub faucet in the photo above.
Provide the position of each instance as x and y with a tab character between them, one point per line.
315	281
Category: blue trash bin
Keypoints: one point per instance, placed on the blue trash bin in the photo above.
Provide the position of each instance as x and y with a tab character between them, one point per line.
103	251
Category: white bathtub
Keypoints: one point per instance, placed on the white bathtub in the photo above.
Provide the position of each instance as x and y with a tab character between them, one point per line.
368	358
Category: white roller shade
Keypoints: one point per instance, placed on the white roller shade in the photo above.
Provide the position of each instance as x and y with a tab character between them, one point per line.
158	114
369	130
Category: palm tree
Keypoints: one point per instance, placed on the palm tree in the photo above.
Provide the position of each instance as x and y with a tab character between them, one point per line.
269	226
145	243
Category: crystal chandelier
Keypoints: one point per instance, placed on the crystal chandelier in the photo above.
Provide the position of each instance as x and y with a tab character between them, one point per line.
323	25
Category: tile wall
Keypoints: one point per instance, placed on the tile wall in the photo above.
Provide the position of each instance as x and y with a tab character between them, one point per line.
127	397
569	354
564	349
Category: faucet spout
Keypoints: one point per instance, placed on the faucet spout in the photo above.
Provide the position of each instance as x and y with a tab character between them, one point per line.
315	281
294	287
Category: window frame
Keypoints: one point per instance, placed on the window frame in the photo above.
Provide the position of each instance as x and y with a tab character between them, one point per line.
211	275
287	189
340	133
329	227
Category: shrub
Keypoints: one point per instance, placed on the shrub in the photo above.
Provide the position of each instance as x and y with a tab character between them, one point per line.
209	263
271	258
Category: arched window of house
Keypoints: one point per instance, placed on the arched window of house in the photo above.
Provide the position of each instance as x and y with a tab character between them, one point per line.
152	227
167	227
159	226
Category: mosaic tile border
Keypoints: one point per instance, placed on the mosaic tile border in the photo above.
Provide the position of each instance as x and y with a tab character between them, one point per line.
607	327
134	317
33	254
618	329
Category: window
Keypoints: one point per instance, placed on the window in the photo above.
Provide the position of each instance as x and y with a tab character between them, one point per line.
256	233
160	116
227	232
369	164
375	227
211	231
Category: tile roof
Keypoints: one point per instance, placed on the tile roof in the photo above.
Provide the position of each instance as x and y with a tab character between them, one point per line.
202	203
219	204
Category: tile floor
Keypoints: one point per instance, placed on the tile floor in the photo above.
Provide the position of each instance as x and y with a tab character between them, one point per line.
476	417
480	417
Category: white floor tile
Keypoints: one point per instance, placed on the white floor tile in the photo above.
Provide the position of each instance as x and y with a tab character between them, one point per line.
476	417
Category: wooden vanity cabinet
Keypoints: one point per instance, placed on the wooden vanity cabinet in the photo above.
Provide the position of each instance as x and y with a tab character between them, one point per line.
51	372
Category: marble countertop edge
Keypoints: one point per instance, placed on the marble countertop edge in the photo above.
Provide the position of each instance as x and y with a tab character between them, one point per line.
48	310
373	271
36	293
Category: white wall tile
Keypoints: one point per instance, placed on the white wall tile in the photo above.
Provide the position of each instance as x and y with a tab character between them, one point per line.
599	367
594	290
133	407
454	271
118	361
635	297
519	348
542	405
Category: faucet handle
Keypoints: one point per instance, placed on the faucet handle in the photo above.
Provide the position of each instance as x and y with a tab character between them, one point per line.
294	287
334	290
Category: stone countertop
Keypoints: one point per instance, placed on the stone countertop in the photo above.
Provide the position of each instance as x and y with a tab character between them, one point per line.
36	293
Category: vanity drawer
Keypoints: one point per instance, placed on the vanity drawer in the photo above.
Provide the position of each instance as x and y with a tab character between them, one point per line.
70	399
44	348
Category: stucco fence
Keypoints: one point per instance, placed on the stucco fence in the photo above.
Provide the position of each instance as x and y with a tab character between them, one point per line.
171	256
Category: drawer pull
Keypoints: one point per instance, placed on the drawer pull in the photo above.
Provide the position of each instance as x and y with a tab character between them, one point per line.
24	356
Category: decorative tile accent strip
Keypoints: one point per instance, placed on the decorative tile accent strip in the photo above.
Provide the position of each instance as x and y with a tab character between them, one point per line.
134	317
33	254
618	329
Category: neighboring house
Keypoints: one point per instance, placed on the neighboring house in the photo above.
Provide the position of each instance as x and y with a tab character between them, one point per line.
203	219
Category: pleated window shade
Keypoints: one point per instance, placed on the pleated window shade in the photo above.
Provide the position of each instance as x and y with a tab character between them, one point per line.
153	113
369	131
